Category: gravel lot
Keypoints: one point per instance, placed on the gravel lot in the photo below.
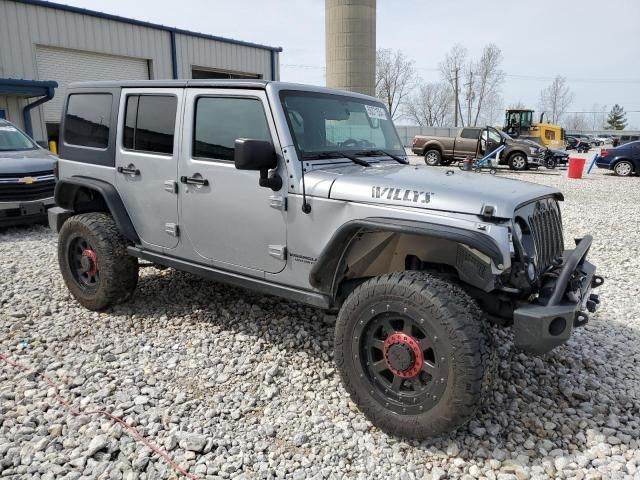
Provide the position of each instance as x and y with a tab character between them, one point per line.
238	385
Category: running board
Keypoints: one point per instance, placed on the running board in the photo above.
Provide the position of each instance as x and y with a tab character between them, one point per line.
235	279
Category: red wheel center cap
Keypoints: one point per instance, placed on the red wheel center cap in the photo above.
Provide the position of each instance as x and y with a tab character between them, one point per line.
403	355
89	262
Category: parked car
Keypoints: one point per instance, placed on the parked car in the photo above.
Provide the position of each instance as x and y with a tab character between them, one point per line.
623	160
577	144
306	193
628	138
519	154
26	177
551	156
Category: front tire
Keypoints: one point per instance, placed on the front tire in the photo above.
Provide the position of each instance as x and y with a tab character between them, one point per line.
432	157
518	161
409	348
623	168
93	259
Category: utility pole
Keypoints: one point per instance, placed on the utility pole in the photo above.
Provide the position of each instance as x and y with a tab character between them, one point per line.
455	107
469	97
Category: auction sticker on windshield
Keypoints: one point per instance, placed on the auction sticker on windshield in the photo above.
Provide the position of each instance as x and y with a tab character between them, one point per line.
7	128
375	112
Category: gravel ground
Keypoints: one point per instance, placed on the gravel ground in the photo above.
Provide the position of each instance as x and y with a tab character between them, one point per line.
238	385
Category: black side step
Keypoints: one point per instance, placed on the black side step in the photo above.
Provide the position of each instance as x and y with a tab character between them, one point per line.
252	283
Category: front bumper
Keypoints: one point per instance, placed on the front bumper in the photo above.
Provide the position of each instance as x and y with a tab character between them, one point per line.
19	213
540	327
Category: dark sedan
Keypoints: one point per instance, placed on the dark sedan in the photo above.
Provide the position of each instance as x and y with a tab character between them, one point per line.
26	177
623	160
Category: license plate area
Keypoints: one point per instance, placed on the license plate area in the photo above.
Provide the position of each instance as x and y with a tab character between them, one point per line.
34	208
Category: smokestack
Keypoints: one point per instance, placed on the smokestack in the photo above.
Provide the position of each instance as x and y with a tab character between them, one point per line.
350	39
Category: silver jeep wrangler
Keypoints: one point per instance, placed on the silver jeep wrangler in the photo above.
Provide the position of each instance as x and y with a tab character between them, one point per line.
306	193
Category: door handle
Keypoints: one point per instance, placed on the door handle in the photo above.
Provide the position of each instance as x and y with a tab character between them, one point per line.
195	181
131	170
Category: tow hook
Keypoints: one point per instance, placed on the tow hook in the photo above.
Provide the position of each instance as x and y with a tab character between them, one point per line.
596	281
580	319
593	303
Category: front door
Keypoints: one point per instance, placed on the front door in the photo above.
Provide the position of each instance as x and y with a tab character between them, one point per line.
147	163
229	219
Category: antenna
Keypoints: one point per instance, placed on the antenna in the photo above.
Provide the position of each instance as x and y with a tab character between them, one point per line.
306	208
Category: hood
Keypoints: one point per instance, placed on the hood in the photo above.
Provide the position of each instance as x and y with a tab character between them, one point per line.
26	161
425	187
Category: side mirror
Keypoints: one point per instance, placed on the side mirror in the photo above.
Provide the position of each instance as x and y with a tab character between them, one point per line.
258	155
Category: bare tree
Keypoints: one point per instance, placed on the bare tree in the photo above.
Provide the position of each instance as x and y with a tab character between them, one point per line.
492	111
488	77
576	121
451	69
478	80
430	105
395	78
556	98
519	105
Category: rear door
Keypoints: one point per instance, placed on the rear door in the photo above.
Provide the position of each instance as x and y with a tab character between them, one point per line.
467	143
147	162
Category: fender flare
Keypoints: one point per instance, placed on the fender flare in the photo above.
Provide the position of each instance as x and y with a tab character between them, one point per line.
67	189
324	272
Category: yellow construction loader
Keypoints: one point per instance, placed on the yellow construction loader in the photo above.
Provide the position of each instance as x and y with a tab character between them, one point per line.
520	124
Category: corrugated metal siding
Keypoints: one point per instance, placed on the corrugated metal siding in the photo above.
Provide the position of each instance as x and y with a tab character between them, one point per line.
202	52
68	66
23	27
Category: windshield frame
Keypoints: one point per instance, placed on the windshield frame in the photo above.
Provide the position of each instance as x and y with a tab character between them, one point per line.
303	156
34	145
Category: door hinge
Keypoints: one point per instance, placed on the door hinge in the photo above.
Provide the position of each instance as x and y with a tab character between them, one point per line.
172	229
278	202
278	251
171	186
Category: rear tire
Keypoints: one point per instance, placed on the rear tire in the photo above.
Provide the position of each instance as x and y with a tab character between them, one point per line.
93	259
412	353
517	161
623	168
432	157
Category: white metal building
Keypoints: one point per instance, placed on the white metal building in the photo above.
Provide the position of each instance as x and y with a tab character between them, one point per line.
43	44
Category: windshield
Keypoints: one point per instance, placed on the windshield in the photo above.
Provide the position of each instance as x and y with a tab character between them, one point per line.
321	122
13	139
504	135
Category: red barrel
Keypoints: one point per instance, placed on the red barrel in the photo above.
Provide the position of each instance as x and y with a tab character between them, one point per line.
576	166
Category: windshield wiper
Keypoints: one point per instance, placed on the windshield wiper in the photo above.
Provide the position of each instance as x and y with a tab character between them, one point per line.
333	154
371	153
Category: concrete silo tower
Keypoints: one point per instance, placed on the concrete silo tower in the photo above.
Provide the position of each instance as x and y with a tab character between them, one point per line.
350	38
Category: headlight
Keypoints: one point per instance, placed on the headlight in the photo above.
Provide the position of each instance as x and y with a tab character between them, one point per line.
534	150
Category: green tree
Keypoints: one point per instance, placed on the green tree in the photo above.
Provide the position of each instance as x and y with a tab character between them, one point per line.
617	118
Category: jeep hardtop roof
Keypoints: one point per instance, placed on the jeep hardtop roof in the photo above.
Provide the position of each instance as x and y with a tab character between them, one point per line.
272	85
223	83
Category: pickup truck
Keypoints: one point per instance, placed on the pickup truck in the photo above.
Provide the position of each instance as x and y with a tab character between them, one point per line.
472	141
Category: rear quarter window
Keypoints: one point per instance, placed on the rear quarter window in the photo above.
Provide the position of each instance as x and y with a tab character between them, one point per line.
471	133
87	120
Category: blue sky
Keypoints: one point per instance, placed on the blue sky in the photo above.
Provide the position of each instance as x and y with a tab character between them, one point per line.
596	45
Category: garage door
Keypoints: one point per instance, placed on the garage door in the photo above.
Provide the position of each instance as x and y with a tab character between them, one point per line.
68	66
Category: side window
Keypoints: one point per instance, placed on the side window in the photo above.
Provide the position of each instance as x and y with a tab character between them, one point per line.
87	118
472	133
149	123
220	121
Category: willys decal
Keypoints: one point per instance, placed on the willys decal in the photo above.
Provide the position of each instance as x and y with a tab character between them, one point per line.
401	194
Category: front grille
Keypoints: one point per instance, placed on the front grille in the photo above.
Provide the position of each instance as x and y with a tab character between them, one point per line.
21	192
42	173
545	225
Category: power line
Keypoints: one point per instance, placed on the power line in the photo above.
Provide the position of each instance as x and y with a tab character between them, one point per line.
510	75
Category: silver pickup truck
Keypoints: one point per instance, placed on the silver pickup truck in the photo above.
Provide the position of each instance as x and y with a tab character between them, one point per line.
477	142
305	193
